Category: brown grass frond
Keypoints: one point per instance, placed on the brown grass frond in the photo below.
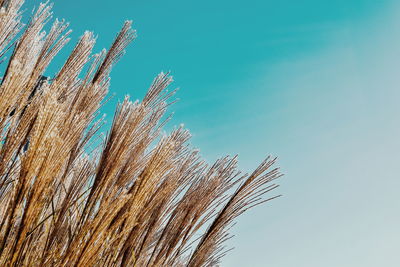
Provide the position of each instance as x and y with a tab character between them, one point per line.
139	198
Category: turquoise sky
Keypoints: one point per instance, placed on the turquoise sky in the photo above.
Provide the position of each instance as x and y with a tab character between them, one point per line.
313	82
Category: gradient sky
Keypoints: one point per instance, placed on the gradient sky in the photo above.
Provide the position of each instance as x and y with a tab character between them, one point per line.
313	82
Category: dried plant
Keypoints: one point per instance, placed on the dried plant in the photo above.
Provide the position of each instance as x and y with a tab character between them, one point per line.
140	198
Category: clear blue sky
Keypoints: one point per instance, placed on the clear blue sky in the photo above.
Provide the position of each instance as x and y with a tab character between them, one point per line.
314	82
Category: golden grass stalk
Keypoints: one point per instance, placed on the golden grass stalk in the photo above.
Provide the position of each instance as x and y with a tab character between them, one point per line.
142	198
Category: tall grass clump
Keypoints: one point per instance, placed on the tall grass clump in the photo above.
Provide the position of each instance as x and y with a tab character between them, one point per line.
141	198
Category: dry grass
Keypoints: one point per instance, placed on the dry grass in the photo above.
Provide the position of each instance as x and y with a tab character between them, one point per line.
123	204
